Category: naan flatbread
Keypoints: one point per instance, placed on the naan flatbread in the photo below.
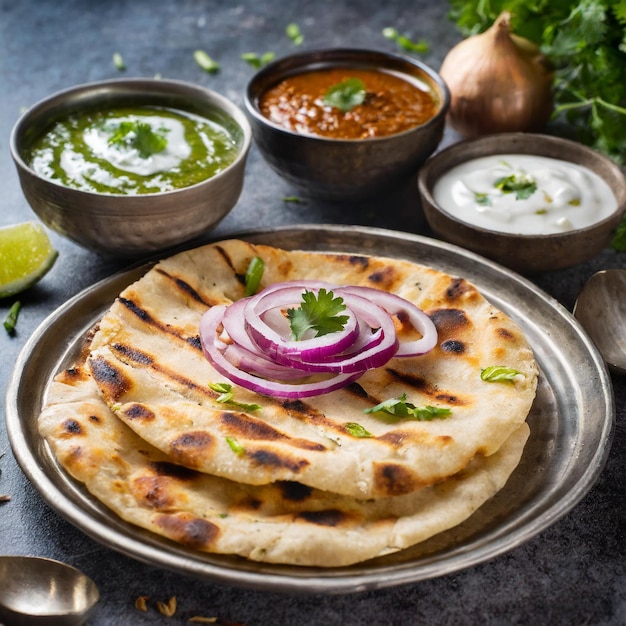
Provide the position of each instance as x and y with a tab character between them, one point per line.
283	522
148	364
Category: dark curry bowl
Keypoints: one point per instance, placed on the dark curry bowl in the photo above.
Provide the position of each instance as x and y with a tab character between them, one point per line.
132	225
346	169
525	253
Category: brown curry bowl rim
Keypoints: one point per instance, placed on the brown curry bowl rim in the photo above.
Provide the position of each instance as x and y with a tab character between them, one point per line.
299	62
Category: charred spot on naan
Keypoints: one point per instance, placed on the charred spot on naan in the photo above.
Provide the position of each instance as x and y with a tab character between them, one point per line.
459	290
137	411
115	384
109	378
393	479
293	491
246	427
329	517
185	288
154	492
449	322
72	427
190	448
187	529
270	459
73	375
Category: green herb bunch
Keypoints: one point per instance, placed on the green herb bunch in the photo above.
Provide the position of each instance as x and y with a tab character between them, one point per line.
586	43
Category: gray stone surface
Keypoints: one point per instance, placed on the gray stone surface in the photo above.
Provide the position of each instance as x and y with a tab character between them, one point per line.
572	573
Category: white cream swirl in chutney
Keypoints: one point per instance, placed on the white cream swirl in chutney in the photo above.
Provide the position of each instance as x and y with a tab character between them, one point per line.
524	194
129	151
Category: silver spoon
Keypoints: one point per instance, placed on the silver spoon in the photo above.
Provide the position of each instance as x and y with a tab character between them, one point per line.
36	590
601	309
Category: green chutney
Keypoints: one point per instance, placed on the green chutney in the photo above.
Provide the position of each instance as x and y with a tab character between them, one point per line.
128	151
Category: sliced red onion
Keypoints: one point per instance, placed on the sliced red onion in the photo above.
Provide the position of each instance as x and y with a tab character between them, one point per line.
383	345
209	325
394	304
276	345
249	340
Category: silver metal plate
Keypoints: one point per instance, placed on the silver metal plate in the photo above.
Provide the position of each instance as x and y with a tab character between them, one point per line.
571	423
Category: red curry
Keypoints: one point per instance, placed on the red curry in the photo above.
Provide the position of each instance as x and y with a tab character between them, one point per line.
392	104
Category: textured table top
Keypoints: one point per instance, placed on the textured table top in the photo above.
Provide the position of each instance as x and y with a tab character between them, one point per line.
571	573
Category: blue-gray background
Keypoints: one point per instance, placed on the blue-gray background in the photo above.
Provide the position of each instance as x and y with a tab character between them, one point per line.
573	573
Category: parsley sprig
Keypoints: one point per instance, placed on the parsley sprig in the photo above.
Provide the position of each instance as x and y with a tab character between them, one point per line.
317	312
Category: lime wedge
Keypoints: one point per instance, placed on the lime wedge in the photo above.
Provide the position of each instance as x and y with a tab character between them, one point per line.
26	254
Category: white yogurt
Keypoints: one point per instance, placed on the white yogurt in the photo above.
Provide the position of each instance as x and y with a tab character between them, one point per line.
524	194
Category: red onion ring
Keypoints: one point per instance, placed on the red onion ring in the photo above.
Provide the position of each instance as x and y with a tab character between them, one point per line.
209	325
275	345
394	304
247	342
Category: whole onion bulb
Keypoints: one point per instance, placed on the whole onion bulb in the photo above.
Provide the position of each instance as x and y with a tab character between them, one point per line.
498	82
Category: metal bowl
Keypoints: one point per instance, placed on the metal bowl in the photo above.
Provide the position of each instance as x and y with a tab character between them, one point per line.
131	225
345	169
527	254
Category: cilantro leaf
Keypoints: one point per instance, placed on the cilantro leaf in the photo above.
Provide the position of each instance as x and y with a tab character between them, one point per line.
253	276
294	33
319	313
403	42
206	62
140	136
346	95
498	373
256	61
10	321
227	396
401	408
482	198
356	430
523	186
235	446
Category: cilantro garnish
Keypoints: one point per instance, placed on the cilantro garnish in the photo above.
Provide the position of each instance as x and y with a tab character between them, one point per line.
140	136
10	322
319	313
206	62
294	33
294	199
521	185
227	396
401	408
235	446
346	95
118	61
256	61
254	273
482	198
403	42
356	430
498	373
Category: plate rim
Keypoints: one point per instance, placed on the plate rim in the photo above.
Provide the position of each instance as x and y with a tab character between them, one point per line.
313	580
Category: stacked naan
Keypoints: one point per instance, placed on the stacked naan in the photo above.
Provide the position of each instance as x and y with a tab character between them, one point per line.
136	420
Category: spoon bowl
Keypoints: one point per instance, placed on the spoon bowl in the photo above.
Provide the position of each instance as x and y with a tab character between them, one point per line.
601	309
36	590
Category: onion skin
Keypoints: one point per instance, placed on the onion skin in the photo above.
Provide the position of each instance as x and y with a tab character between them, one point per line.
498	82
